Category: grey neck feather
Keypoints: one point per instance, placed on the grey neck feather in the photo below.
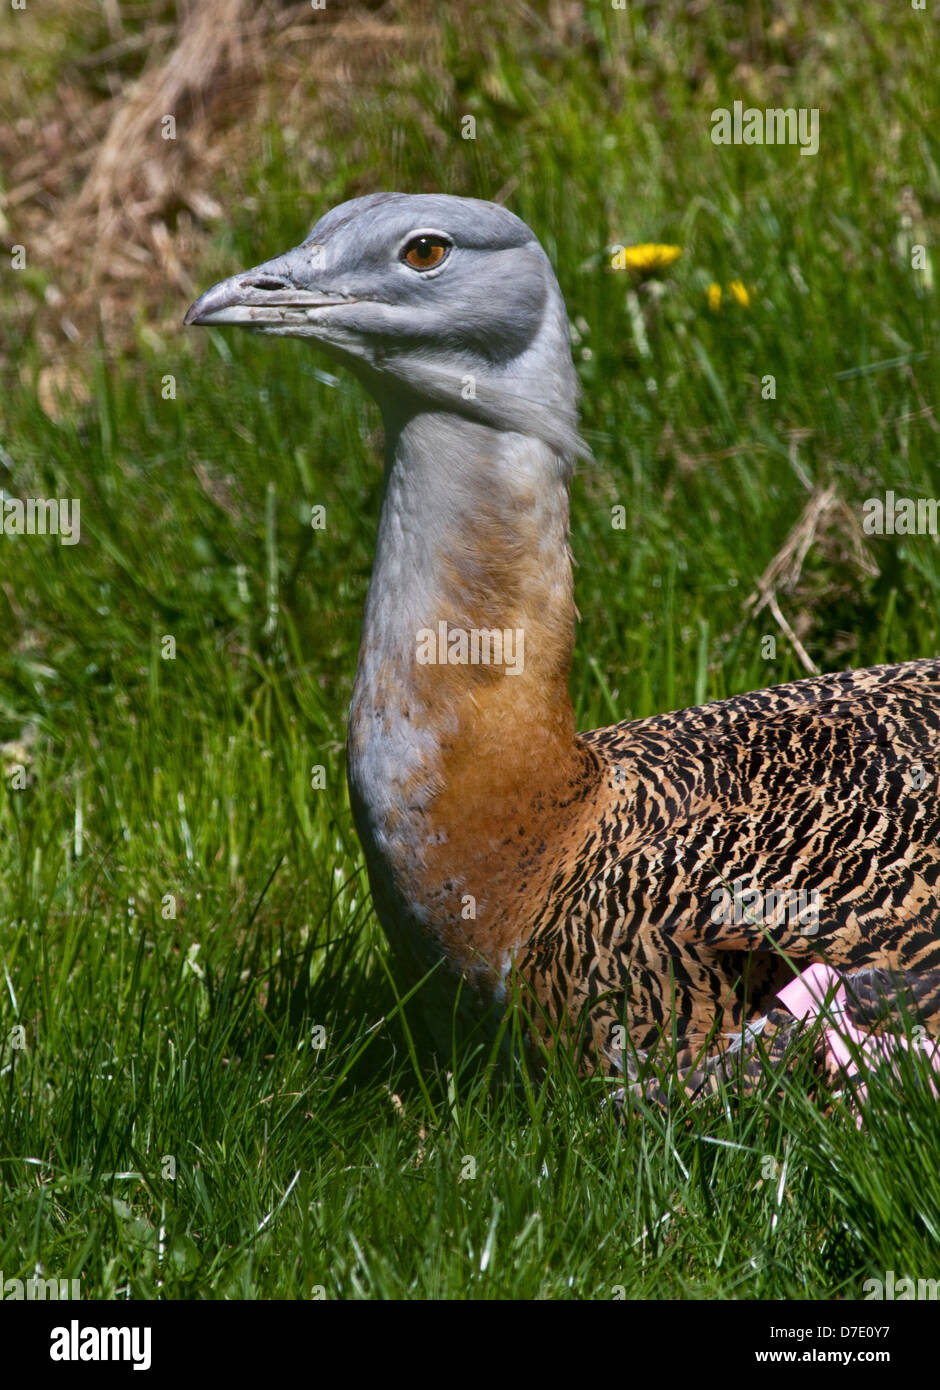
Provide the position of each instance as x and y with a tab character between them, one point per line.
453	490
474	525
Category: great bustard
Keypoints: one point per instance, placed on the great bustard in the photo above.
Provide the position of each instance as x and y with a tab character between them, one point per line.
613	872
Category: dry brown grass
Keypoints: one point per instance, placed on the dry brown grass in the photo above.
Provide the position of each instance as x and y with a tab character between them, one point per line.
112	212
829	527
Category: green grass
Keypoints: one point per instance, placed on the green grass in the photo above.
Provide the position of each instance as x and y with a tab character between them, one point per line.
182	909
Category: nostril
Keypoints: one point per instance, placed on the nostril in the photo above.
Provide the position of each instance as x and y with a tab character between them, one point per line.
264	282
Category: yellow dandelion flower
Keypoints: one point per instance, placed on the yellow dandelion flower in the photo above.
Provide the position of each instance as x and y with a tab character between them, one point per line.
714	297
740	293
645	258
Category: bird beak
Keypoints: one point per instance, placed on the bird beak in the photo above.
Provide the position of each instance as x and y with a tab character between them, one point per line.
267	297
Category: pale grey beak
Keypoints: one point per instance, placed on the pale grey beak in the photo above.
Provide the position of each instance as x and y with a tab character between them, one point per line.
265	297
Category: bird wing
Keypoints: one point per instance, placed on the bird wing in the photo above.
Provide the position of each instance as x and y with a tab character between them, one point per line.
828	788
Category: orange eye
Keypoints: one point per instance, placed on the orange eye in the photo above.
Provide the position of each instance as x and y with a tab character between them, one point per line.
425	252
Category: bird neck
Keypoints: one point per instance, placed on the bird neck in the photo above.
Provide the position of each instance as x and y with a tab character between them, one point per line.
461	714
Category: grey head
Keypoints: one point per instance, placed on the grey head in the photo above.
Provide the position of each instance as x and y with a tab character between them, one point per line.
436	303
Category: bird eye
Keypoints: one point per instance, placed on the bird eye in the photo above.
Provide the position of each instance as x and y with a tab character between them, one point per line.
425	252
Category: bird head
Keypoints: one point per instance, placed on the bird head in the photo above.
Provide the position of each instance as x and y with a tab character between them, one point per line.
435	302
